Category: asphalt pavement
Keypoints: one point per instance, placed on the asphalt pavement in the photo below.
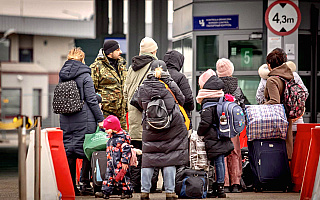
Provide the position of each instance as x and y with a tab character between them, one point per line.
9	180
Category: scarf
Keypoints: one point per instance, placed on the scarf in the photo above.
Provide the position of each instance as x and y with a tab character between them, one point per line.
205	93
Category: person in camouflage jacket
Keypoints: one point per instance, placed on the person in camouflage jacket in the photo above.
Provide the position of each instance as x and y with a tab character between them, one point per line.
109	73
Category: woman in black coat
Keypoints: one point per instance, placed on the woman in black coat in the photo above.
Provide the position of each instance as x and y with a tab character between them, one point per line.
168	147
217	148
174	61
76	125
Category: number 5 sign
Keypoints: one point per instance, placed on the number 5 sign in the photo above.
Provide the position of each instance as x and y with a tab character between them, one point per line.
283	17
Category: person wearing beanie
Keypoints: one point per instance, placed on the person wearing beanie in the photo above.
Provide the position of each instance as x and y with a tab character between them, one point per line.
76	125
233	162
263	73
173	140
137	73
109	73
211	89
118	159
174	61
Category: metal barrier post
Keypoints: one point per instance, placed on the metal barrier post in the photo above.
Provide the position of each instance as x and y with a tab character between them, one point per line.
37	158
22	154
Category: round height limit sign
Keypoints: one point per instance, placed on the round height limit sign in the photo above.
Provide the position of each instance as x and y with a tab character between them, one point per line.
283	17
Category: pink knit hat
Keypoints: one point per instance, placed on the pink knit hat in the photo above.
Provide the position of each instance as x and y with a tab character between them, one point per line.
112	122
224	67
205	76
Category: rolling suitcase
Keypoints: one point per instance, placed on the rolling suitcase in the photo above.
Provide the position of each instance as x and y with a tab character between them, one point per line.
99	167
269	163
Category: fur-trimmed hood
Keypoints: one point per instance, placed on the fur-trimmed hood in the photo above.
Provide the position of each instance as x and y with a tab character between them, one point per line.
264	71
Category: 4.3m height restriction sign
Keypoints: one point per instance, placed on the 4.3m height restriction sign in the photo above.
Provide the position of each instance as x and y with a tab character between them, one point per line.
283	17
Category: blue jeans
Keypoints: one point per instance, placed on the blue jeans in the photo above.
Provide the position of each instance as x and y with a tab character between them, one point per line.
220	168
169	177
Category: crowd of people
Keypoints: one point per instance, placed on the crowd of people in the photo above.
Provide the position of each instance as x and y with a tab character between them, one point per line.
125	93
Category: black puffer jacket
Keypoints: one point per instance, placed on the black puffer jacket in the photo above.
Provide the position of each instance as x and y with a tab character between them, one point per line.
167	147
174	61
76	125
214	146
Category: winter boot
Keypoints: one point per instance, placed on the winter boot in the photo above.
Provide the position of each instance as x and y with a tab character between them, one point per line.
106	196
125	196
171	196
220	191
144	196
85	189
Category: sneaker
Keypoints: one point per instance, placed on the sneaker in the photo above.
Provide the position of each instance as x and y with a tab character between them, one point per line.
227	189
156	191
125	196
236	188
106	196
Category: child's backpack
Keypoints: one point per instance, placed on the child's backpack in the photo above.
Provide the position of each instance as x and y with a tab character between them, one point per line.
294	99
232	119
156	114
66	98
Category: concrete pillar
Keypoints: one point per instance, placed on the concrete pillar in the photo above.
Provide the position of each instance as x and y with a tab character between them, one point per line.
160	25
117	17
136	29
102	19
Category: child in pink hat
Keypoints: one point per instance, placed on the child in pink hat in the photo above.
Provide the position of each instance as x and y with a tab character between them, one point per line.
118	159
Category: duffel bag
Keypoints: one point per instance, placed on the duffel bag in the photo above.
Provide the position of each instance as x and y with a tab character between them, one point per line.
191	183
266	122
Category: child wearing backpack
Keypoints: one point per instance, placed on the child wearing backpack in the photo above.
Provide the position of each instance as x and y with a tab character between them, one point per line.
118	159
211	89
233	161
164	146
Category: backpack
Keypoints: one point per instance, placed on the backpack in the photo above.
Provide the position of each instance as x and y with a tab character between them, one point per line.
191	183
234	121
156	114
66	98
294	99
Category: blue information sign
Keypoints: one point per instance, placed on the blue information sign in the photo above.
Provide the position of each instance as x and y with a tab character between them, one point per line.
216	22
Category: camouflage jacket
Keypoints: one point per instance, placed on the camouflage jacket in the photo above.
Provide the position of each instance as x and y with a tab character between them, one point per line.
109	84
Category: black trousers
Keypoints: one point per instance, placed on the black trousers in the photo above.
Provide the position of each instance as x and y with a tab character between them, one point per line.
86	167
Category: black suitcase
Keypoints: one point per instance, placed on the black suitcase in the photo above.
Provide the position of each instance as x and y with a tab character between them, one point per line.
269	163
99	167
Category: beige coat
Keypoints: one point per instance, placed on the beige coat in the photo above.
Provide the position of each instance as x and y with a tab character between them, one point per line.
130	86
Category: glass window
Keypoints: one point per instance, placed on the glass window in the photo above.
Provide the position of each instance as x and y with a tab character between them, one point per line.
36	98
249	86
5	50
187	52
10	103
177	45
246	55
207	52
26	55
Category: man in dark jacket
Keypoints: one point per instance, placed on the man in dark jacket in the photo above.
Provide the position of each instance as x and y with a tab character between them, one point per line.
174	61
76	125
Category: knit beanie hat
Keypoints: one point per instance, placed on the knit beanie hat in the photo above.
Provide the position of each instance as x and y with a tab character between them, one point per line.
110	46
224	67
148	45
158	63
292	66
112	122
264	71
205	76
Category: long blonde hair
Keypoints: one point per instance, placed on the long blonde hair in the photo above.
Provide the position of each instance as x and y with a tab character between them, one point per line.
76	53
157	72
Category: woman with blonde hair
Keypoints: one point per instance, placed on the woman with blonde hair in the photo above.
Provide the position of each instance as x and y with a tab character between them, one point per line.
76	125
167	147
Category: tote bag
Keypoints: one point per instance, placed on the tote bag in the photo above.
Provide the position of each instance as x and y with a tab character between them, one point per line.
266	122
95	142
